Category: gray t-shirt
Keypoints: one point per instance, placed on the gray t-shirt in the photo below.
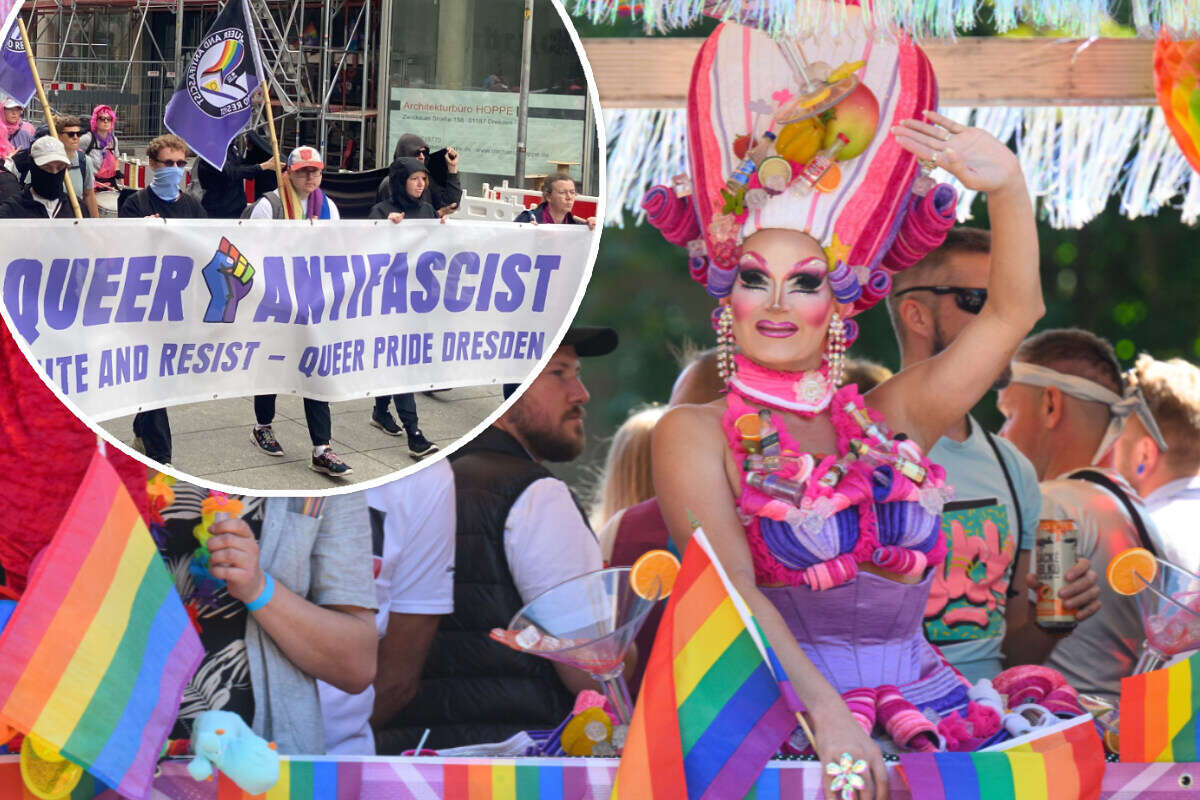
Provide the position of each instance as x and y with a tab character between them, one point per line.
1103	648
964	616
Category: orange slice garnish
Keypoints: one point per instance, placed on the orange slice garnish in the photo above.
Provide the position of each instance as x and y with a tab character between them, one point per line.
653	574
1124	571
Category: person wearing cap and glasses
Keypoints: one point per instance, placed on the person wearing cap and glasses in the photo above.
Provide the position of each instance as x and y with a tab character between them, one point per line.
1065	407
304	167
162	199
519	532
996	502
19	132
43	197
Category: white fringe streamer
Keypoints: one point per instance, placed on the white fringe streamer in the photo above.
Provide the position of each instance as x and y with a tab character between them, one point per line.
1074	158
922	19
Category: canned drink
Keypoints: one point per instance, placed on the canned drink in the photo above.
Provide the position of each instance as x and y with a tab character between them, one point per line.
1055	553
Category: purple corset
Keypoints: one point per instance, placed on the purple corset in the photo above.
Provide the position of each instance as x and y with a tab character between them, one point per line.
867	633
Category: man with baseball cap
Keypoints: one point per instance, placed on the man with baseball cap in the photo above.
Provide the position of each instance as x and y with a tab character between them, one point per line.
519	532
304	167
44	196
18	131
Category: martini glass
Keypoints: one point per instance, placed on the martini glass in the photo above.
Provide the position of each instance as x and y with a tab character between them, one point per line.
816	95
1170	609
589	623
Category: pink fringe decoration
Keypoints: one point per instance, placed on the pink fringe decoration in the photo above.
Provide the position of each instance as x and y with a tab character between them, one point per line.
966	733
672	215
861	703
1028	683
923	229
908	727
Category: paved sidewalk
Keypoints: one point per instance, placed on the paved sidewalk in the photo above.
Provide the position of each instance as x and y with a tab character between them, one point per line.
212	440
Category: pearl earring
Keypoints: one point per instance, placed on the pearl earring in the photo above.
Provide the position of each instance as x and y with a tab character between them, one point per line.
835	350
725	343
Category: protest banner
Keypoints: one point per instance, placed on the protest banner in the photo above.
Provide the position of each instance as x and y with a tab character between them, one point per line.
137	314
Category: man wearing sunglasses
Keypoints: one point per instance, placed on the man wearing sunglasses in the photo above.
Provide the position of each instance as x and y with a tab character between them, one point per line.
994	512
80	172
162	198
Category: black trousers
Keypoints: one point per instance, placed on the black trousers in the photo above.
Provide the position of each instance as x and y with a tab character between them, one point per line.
154	429
316	414
406	409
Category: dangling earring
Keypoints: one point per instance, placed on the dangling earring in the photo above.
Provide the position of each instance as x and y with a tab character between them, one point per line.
1141	469
835	349
725	343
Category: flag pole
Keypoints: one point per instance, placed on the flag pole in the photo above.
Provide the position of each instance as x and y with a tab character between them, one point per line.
41	93
285	187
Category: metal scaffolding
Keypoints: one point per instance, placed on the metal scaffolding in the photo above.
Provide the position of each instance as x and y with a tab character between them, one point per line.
320	57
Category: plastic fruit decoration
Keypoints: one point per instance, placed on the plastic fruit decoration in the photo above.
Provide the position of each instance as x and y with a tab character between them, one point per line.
857	117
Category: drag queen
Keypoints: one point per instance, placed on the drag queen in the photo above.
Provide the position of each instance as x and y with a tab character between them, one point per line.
804	197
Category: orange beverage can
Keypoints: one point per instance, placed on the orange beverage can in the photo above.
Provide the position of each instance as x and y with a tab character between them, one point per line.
1055	552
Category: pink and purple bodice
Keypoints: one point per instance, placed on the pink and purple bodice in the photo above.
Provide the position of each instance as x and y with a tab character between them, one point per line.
811	521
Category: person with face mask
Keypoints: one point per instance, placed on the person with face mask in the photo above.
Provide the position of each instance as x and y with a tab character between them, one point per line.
408	180
163	197
44	196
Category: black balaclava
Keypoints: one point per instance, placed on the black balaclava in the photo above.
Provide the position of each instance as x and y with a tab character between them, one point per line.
398	174
48	185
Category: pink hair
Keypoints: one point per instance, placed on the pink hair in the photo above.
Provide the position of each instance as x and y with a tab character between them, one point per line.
96	113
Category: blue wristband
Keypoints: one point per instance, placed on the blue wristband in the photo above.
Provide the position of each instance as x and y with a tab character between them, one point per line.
264	596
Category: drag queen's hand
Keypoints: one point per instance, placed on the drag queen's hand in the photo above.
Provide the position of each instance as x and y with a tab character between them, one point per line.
974	156
837	732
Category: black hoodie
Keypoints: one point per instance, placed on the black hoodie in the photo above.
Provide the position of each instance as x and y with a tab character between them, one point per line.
444	187
400	202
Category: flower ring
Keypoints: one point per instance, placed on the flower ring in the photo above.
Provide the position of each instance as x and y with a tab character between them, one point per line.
847	776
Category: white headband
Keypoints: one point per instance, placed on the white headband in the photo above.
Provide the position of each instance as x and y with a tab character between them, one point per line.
1120	407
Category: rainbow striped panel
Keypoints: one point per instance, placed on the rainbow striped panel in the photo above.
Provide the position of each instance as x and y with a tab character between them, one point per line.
711	713
1067	764
99	650
1158	714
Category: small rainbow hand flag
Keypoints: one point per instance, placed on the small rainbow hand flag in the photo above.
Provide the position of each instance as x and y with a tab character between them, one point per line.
714	705
304	780
1158	714
99	650
1067	763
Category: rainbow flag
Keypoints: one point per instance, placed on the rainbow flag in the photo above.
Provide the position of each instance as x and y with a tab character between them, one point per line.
1067	763
304	780
99	650
711	712
1158	714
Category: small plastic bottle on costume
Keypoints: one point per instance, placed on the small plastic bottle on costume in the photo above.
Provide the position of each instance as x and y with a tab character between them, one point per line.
774	486
821	163
754	156
834	474
757	462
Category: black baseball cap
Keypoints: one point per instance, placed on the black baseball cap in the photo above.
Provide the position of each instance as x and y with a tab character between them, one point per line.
589	340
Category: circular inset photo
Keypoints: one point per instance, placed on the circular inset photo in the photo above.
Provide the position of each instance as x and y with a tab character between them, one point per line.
270	278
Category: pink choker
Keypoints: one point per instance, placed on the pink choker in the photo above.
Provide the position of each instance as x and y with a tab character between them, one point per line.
806	392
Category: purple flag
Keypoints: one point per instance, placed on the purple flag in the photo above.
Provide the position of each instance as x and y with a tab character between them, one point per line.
16	80
215	98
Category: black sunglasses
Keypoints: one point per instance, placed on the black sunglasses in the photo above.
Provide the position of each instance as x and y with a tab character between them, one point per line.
969	300
170	163
423	151
72	134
